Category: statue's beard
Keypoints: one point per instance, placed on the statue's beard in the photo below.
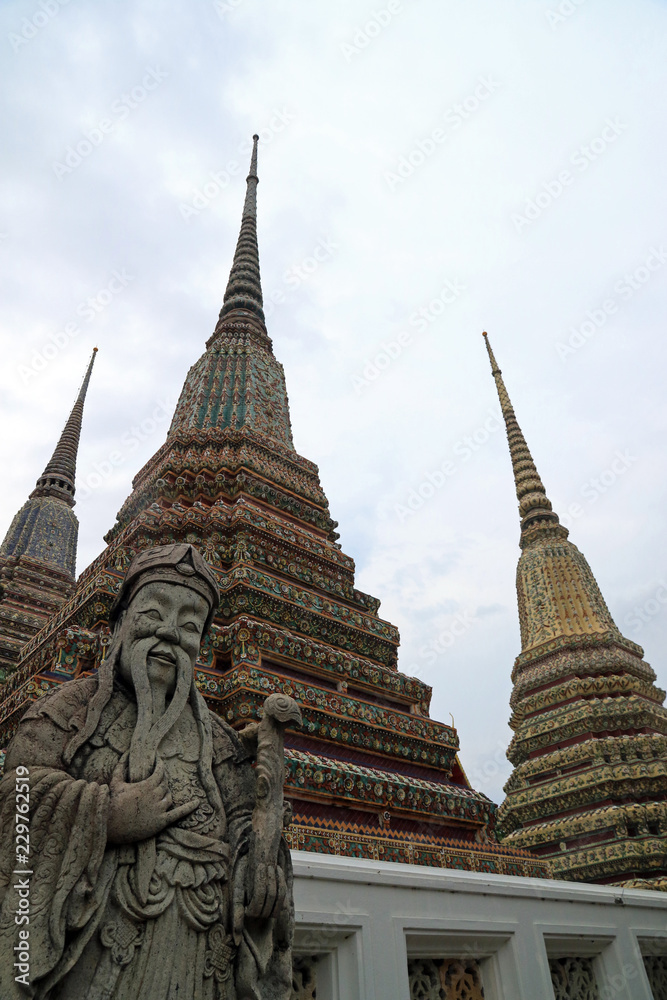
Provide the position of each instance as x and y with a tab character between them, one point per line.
147	736
151	729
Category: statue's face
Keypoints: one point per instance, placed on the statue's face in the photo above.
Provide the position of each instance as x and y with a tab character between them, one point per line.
162	627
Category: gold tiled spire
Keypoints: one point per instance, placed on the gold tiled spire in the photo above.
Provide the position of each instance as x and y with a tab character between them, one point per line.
534	505
558	594
586	713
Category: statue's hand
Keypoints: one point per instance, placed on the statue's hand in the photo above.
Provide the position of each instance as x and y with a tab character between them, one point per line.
267	893
140	809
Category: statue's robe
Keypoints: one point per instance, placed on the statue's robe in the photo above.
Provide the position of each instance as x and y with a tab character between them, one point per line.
90	935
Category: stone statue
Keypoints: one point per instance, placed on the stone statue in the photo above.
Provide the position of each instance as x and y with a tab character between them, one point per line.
156	868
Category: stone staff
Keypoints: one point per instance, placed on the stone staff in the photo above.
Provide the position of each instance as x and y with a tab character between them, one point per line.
266	882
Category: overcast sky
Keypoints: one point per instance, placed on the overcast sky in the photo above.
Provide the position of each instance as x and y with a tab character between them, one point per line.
428	169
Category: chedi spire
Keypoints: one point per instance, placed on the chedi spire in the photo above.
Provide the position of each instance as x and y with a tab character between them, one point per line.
586	714
558	594
237	385
244	288
58	478
534	505
38	554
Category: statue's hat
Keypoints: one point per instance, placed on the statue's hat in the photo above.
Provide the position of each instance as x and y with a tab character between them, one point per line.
179	563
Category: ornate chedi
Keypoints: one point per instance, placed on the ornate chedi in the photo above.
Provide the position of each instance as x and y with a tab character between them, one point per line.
38	555
369	774
589	786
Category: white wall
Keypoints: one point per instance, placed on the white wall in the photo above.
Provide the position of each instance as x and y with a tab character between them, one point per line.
365	919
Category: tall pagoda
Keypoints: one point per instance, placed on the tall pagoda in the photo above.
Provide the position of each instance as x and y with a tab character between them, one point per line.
38	554
370	775
589	787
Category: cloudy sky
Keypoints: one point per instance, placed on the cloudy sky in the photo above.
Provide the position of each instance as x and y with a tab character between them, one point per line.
428	169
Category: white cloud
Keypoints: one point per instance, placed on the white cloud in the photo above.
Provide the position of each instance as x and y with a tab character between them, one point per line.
322	176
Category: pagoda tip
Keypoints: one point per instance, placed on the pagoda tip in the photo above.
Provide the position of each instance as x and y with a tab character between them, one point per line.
244	290
253	172
485	334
